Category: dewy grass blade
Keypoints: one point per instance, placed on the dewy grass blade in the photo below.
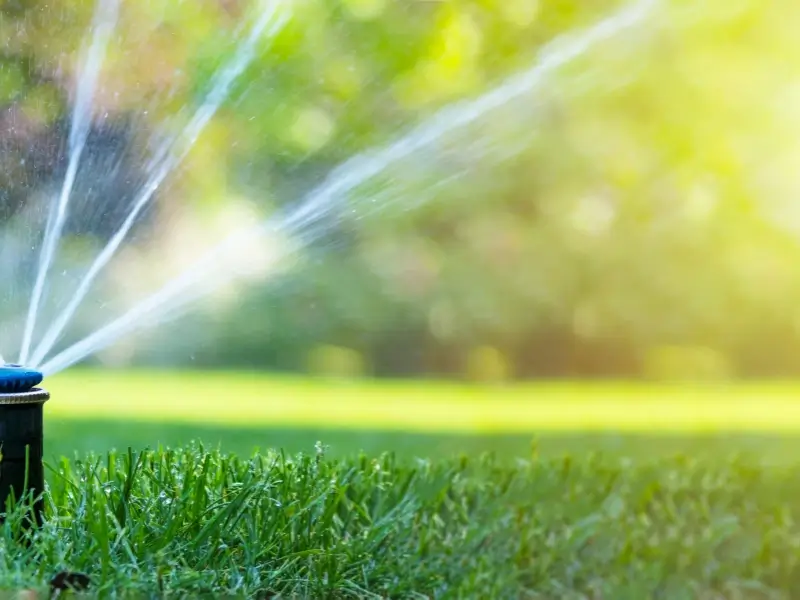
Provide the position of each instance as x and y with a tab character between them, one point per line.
313	526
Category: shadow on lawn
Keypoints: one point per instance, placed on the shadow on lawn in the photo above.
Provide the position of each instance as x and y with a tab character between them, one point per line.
65	437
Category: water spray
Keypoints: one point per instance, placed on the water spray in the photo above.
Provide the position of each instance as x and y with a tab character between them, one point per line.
21	437
269	22
104	23
324	199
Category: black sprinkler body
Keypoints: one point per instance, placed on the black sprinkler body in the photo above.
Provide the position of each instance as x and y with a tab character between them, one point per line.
21	436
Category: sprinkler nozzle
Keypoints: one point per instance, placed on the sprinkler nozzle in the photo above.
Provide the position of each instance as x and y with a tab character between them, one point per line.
15	379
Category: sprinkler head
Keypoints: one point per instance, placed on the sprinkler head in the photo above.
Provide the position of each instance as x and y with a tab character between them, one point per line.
21	437
15	379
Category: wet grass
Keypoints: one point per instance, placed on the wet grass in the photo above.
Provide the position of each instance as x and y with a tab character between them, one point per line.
601	509
196	523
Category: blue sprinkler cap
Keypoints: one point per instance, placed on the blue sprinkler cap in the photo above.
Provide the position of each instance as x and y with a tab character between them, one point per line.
15	379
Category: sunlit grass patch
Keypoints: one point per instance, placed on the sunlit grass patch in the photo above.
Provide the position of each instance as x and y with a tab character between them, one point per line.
190	522
252	399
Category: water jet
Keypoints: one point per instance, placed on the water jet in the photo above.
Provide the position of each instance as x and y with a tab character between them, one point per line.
21	437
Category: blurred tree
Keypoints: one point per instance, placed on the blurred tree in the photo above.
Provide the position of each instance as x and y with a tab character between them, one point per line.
639	200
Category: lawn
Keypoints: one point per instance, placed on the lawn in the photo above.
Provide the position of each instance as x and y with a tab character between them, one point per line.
99	410
192	523
254	399
665	511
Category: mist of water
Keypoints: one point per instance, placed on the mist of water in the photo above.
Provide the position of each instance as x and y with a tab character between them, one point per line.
193	283
105	19
268	23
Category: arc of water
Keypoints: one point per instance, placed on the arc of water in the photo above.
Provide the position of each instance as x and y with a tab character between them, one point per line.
168	157
556	54
104	22
346	177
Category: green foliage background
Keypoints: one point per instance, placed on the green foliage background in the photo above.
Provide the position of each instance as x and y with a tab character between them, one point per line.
634	216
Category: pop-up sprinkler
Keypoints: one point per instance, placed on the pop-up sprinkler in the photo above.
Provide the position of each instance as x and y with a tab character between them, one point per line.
21	436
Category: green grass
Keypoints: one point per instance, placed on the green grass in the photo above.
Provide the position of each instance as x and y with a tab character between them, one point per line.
100	410
254	399
191	523
71	437
629	491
